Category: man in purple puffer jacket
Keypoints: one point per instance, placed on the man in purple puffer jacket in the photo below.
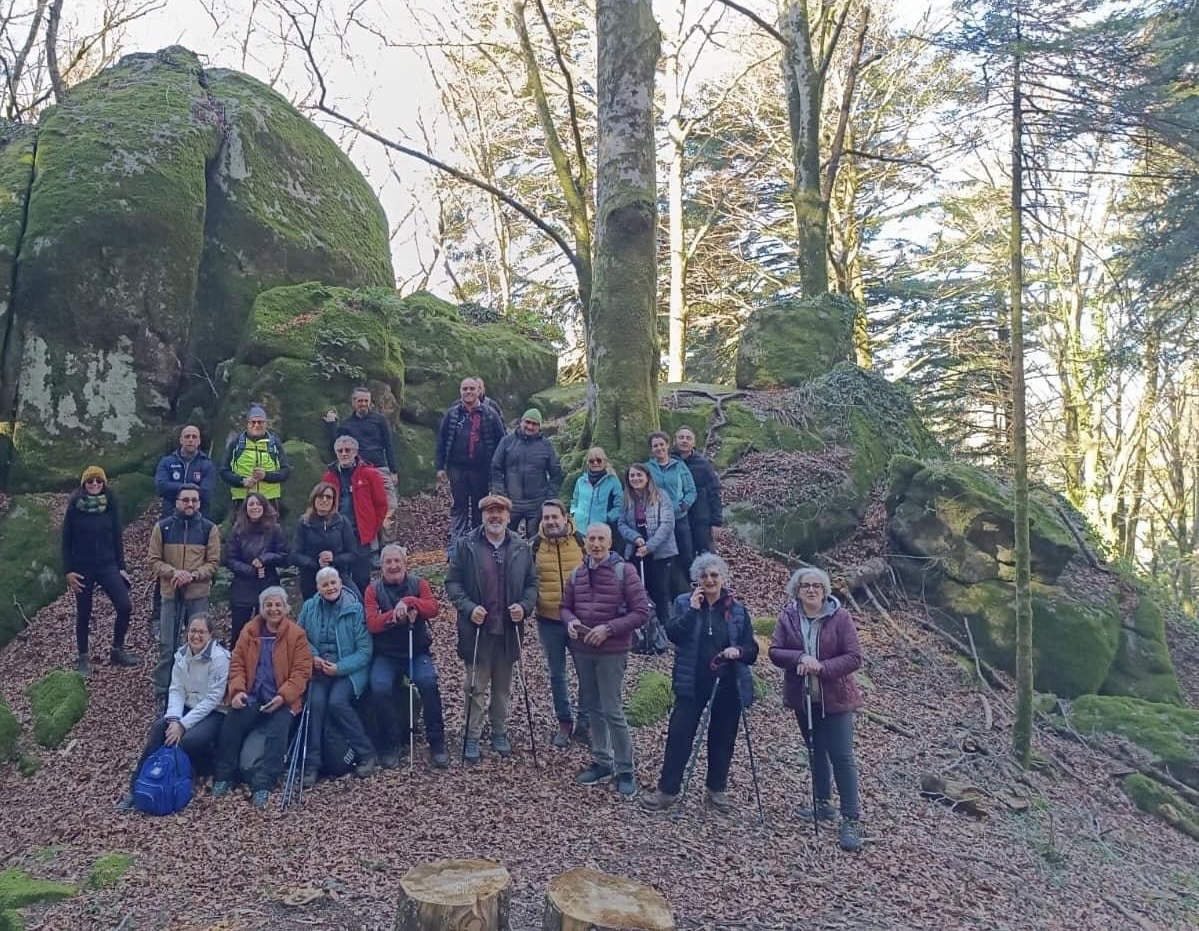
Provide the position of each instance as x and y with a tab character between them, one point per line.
603	604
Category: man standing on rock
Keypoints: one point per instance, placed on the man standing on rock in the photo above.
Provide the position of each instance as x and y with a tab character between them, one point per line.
493	583
707	511
603	604
525	469
373	433
399	607
362	500
185	551
466	442
189	464
255	461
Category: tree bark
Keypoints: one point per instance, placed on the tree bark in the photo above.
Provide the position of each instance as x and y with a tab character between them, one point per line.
588	900
676	344
454	895
804	84
622	396
52	22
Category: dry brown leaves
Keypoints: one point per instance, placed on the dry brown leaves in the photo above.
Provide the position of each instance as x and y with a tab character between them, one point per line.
221	865
772	478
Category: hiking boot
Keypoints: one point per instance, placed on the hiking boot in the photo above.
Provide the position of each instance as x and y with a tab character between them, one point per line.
366	768
82	666
389	759
626	785
119	656
594	775
311	775
658	800
581	735
260	798
439	758
720	801
561	737
471	754
850	837
501	745
126	804
221	788
824	811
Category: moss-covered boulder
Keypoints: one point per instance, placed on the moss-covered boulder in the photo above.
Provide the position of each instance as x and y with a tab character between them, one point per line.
651	700
10	730
18	890
57	701
1155	799
30	571
17	148
163	199
951	525
795	341
1169	733
845	427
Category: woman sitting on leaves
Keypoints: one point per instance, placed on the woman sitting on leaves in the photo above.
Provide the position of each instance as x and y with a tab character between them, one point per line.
816	644
254	552
194	716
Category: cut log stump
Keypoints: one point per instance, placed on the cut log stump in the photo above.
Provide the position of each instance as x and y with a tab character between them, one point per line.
588	900
454	895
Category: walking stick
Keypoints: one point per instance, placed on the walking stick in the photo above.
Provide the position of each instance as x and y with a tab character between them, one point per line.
520	671
470	693
699	736
411	702
753	767
809	741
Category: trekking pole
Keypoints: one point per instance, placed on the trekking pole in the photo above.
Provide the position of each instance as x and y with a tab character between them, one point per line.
470	692
411	702
289	781
700	730
304	715
753	767
809	739
520	671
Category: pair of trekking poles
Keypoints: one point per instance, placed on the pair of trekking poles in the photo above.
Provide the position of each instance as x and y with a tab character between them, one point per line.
470	693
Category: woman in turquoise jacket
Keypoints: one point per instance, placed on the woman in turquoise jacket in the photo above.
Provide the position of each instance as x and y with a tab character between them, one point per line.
341	646
598	497
676	482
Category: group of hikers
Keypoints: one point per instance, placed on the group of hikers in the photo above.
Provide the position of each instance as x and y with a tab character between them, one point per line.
627	565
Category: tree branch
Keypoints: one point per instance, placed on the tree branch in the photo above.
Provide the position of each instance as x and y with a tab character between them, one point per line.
757	20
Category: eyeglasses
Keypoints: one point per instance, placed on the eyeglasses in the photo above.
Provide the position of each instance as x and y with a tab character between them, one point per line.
598	459
811	586
709	575
188	500
325	494
94	481
344	449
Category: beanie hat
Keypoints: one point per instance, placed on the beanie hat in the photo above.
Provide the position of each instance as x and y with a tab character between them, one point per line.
532	414
93	471
256	410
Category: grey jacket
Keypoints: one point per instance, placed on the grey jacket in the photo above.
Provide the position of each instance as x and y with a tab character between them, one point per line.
197	683
659	523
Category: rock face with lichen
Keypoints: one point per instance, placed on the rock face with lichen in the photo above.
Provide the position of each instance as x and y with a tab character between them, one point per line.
137	225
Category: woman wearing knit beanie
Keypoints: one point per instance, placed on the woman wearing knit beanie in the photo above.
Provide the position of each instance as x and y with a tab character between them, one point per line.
92	554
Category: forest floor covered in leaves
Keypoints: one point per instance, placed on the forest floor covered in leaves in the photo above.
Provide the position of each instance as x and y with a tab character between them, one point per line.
1078	856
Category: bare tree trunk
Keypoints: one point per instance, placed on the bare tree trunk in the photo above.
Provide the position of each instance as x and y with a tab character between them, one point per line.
1136	490
12	106
623	345
676	347
52	50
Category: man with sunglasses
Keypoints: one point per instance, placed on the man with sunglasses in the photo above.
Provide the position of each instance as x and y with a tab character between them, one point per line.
185	551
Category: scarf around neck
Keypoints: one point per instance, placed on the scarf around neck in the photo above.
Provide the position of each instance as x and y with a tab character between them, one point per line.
92	504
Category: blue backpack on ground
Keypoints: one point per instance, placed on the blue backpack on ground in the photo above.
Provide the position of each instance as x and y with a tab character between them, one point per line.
164	784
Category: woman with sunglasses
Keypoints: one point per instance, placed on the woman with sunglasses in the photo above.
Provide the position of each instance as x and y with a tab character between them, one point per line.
816	644
597	497
714	648
323	537
254	554
93	554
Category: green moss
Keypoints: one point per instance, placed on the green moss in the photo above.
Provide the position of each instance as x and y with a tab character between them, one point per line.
1169	732
16	176
18	889
28	764
764	626
108	869
793	342
415	449
10	730
57	700
136	491
1151	797
30	573
761	686
559	401
651	700
307	468
1143	668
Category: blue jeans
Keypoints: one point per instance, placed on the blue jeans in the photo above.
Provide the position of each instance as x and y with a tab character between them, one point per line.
554	638
385	670
832	752
334	696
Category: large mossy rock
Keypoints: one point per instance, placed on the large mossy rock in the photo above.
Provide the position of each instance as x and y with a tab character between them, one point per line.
794	342
952	528
30	571
57	700
162	200
845	426
1168	733
305	347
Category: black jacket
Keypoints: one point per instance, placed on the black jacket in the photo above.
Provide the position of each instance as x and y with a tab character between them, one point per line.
707	508
464	587
526	470
92	542
241	549
373	433
691	677
491	431
334	533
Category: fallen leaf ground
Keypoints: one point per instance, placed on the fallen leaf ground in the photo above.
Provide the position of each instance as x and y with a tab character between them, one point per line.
1080	857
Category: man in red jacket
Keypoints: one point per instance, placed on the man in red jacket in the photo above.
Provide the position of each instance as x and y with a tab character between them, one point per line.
363	501
603	604
399	607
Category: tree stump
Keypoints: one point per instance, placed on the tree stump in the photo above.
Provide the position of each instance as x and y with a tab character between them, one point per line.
454	895
588	900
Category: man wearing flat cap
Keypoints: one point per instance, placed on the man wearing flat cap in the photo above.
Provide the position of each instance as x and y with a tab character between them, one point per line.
255	461
492	582
526	470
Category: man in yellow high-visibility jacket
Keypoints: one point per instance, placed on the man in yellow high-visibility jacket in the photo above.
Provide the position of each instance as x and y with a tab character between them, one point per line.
255	461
